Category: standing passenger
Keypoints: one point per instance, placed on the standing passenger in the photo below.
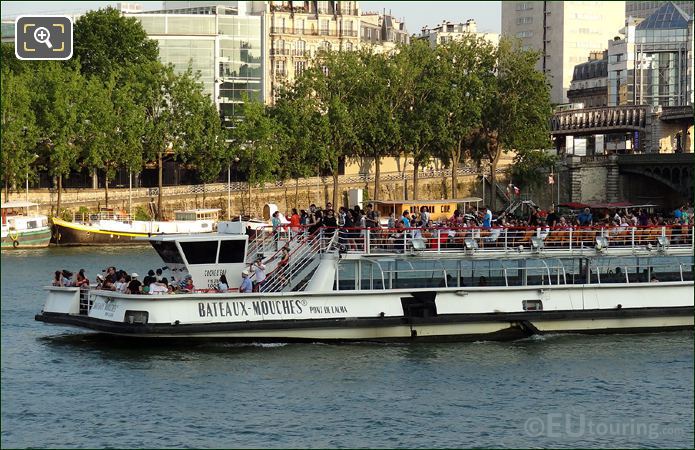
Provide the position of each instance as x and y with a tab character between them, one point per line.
246	286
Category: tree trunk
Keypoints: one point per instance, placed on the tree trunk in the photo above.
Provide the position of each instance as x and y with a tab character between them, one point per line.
250	202
287	200
296	193
335	187
60	189
7	190
454	169
493	184
203	195
106	191
415	177
377	175
159	184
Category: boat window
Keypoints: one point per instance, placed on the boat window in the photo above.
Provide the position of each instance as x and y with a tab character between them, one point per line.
532	305
232	251
32	224
200	252
168	252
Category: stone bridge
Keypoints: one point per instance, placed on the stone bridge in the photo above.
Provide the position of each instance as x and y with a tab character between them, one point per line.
612	178
599	120
674	170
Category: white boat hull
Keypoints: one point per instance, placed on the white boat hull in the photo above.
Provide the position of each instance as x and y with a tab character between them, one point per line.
435	314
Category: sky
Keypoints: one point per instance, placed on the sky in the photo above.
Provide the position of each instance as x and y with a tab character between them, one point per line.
416	14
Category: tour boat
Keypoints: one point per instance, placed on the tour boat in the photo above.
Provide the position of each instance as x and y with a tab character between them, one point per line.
405	285
108	228
22	228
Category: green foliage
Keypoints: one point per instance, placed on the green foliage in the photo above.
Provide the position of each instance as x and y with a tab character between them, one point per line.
531	167
66	214
254	144
106	43
141	214
19	131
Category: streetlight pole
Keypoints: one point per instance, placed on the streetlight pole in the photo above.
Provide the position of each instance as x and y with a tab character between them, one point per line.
483	181
229	191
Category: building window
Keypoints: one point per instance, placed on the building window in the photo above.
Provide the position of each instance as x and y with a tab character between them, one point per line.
524	6
524	34
280	68
324	27
299	67
524	20
348	46
300	48
322	7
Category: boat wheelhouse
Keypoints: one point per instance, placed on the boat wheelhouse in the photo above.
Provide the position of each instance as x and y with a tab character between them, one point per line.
432	284
23	226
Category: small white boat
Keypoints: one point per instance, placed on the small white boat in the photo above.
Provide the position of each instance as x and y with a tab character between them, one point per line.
23	226
418	284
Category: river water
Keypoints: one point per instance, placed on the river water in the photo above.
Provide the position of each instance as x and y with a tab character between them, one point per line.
64	387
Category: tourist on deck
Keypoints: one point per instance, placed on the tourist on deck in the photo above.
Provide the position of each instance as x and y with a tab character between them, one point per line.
275	221
585	219
135	286
160	287
222	284
57	278
66	279
295	221
82	281
246	285
330	222
487	218
258	273
371	217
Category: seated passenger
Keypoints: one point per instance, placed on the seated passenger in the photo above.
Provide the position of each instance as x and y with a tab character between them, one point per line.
57	278
135	286
159	287
66	280
223	286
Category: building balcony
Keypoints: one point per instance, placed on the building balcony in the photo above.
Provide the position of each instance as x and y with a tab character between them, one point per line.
280	51
349	33
300	53
281	30
328	32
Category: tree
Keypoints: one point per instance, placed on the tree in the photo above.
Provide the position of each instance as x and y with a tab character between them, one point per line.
331	82
375	104
252	141
111	125
56	107
516	113
19	132
295	135
463	66
108	43
175	117
417	129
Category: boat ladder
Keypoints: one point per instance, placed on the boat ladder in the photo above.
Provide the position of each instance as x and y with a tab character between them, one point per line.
304	259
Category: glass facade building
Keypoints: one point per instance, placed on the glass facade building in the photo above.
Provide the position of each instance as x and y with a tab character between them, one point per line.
225	48
652	64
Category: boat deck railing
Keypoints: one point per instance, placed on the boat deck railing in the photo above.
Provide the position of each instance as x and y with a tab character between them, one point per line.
480	239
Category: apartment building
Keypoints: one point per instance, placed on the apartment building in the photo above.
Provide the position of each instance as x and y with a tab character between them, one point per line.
564	32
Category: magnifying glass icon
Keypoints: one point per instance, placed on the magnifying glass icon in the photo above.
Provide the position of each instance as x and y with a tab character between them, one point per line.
43	36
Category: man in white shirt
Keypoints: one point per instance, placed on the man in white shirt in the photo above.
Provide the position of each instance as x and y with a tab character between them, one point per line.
259	272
